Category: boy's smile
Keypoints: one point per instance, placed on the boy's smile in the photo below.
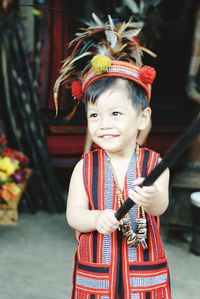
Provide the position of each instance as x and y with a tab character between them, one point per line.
108	136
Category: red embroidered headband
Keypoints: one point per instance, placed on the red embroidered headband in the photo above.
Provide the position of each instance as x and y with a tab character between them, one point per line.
143	76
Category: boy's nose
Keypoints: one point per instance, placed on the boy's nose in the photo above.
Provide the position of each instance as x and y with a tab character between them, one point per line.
105	123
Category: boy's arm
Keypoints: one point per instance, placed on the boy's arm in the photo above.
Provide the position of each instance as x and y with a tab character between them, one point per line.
78	215
155	198
161	199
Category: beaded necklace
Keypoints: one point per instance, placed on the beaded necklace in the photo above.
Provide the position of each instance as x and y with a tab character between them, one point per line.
133	238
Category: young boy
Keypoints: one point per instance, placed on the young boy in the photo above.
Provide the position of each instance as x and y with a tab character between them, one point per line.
114	259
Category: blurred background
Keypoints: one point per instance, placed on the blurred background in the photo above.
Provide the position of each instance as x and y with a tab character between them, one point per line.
38	151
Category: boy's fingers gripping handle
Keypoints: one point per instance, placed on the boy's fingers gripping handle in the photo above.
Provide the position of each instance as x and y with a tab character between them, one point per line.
123	210
129	203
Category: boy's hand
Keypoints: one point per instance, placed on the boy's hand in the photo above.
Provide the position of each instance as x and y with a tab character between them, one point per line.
145	196
106	223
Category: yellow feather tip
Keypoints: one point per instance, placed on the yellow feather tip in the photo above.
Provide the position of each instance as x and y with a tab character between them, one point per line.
56	103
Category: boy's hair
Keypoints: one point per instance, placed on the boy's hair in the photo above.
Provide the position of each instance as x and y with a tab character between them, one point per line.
134	91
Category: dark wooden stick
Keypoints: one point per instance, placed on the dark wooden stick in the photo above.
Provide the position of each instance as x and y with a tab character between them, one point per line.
170	157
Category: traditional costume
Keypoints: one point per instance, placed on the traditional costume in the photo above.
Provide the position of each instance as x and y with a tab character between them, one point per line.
130	263
105	266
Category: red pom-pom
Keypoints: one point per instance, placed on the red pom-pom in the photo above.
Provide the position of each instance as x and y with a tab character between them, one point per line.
77	90
147	74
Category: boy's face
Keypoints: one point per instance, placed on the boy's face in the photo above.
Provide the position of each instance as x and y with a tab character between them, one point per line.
113	123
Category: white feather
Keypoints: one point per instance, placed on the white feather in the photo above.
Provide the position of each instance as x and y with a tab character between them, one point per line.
142	5
130	33
111	37
97	20
132	5
112	26
79	57
102	50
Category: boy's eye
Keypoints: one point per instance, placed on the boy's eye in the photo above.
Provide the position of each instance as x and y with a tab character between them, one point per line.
93	115
116	113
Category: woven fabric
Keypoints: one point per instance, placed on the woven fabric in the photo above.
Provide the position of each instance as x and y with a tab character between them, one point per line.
106	267
121	69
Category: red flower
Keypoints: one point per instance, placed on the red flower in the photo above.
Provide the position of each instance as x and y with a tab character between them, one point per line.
147	74
77	90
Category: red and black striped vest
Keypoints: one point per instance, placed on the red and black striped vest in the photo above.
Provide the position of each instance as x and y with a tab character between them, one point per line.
104	266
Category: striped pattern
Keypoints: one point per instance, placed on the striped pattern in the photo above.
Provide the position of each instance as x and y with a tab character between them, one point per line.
121	69
135	296
138	282
105	265
92	283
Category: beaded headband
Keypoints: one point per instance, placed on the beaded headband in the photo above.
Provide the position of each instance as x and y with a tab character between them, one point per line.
142	76
104	49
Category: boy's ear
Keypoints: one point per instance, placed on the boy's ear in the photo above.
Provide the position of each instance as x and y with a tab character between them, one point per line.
144	118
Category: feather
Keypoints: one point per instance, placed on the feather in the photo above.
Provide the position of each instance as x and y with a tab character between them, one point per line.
111	37
142	7
112	26
138	57
129	24
132	5
114	40
80	56
87	46
148	51
79	36
121	28
119	48
97	20
55	93
65	62
71	114
131	33
103	50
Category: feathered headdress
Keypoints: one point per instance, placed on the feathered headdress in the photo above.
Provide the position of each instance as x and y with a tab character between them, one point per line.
104	49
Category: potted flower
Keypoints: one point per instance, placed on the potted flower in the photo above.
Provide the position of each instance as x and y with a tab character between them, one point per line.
14	174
